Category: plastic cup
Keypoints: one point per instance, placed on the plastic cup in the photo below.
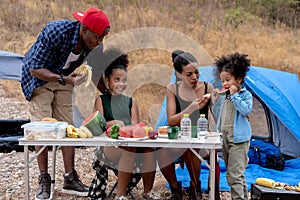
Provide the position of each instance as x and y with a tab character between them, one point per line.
173	132
194	131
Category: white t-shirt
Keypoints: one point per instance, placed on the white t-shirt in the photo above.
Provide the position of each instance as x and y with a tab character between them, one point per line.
72	57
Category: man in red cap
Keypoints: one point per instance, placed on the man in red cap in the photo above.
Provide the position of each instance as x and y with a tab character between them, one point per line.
48	80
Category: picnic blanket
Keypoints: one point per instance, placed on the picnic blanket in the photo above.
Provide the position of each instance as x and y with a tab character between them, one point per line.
289	175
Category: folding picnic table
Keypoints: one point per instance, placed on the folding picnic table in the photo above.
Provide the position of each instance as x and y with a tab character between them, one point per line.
212	144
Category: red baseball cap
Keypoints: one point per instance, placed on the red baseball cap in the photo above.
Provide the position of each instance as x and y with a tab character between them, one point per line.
95	19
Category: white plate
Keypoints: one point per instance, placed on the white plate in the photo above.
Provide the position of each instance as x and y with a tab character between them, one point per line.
132	139
213	134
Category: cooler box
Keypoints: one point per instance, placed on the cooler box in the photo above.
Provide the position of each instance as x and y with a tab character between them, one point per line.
263	193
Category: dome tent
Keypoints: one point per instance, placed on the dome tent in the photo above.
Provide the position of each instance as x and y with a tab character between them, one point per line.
10	66
10	130
278	94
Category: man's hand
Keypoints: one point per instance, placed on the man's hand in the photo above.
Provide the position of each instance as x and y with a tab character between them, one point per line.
79	79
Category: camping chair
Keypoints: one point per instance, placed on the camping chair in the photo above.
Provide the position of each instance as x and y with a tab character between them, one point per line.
134	180
99	183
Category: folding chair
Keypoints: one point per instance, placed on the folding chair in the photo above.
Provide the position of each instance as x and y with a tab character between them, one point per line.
99	183
134	180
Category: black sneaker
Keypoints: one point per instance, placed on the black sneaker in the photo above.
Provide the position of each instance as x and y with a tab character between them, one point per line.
72	185
195	192
176	193
44	190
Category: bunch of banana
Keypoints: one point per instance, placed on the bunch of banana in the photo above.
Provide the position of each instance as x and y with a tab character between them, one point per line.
85	69
147	129
81	132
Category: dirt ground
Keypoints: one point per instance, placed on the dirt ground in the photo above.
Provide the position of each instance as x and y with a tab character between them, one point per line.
12	176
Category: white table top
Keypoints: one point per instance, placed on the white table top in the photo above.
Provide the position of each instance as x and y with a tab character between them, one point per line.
210	143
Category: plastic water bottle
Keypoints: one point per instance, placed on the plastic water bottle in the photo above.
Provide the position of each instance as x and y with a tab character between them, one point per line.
202	127
186	127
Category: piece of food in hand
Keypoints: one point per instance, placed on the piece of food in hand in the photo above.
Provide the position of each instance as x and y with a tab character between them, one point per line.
207	96
223	91
163	130
138	132
114	131
85	69
49	119
152	134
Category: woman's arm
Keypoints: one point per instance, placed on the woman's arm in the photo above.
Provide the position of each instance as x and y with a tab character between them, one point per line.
134	112
173	118
98	105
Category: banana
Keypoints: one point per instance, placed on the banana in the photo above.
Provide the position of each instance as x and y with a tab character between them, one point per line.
70	129
147	129
73	135
85	69
86	131
81	134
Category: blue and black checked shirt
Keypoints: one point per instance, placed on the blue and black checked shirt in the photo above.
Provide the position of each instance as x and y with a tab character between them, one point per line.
51	50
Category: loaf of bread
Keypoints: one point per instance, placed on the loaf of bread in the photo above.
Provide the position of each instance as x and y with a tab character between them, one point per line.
163	130
49	119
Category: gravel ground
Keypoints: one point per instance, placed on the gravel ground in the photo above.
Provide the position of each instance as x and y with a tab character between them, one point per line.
12	176
12	164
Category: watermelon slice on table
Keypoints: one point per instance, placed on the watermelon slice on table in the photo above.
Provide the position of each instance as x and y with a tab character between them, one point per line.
95	123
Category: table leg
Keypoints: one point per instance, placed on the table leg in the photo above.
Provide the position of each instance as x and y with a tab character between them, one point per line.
212	171
53	171
212	174
26	159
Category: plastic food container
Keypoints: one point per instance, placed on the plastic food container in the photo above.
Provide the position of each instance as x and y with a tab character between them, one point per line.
44	130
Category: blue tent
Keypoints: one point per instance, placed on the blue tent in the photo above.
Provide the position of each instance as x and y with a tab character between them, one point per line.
276	94
10	66
10	130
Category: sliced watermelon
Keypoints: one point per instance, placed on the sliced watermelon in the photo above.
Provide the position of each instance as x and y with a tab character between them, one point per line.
95	123
223	91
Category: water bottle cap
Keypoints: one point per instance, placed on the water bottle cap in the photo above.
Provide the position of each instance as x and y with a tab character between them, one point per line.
202	115
186	115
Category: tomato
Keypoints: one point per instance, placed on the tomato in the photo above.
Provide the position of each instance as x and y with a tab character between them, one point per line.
123	132
107	132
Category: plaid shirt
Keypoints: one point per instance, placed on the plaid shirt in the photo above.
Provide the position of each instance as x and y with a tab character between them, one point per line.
50	51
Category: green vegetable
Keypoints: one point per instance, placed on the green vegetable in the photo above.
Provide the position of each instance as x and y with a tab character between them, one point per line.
114	131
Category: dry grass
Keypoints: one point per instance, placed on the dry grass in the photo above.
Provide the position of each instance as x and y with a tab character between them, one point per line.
202	21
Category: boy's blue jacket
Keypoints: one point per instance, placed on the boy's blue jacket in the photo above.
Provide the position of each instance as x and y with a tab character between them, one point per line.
243	103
